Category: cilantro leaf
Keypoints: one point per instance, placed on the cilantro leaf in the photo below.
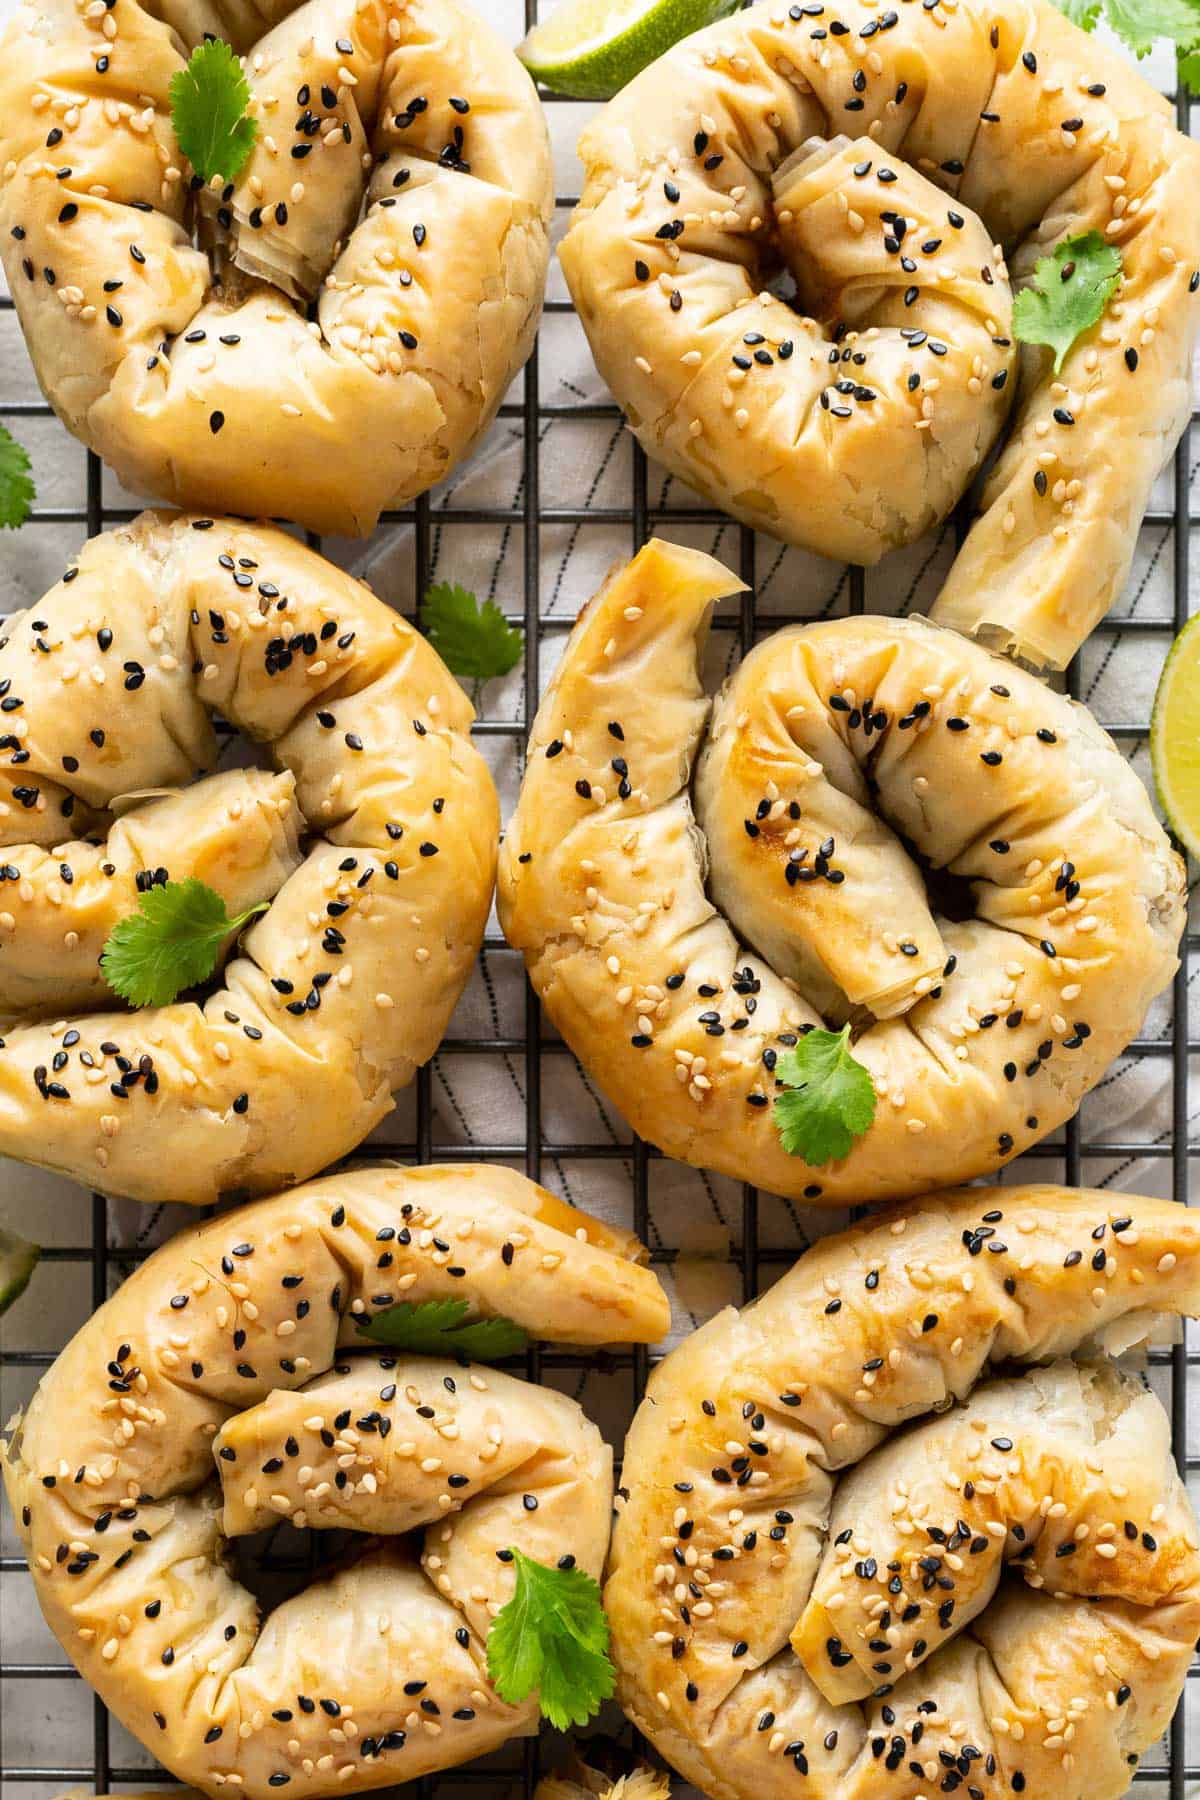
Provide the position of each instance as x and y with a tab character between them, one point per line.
208	110
16	483
472	640
170	943
830	1099
1140	23
1068	293
553	1636
435	1328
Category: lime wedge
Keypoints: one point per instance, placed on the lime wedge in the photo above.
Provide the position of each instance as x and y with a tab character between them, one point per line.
1175	737
17	1261
590	49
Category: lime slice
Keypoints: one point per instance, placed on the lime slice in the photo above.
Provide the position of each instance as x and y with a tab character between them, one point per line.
1175	737
17	1261
590	49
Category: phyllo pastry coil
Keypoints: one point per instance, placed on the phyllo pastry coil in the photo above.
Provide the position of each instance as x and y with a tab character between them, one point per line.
889	162
375	843
1000	1597
225	1387
680	952
362	294
582	1780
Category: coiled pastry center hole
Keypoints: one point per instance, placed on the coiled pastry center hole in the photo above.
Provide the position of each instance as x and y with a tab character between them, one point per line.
875	250
832	785
875	298
340	134
239	831
279	1562
381	1448
811	874
1040	1479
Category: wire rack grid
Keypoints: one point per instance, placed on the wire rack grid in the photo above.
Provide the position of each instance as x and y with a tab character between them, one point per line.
1173	1776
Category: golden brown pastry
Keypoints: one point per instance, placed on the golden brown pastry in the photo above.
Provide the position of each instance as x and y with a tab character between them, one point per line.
239	832
889	162
680	952
1002	1597
373	278
171	1793
644	1784
225	1387
581	1782
345	986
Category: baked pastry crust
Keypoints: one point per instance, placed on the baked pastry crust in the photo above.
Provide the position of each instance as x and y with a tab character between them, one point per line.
634	913
200	377
761	1457
782	138
580	1782
235	1345
346	985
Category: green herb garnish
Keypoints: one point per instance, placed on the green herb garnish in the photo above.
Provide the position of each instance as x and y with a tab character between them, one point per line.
474	641
552	1636
830	1098
172	942
16	482
1068	294
437	1328
208	110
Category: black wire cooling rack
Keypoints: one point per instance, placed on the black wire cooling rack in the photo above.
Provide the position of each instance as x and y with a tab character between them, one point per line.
1175	1774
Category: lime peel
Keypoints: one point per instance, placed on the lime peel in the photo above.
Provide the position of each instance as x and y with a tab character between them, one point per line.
18	1260
1175	737
590	49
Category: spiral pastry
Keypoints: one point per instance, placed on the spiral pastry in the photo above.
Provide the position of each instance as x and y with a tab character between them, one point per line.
889	161
1001	1597
347	982
225	1388
831	748
364	291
